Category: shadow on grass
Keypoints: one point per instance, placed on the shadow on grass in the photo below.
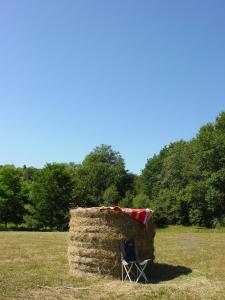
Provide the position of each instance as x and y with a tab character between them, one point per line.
165	272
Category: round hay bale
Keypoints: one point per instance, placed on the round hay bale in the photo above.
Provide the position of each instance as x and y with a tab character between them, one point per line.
95	237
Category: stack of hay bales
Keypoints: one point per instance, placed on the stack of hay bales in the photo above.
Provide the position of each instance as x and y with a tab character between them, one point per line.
95	237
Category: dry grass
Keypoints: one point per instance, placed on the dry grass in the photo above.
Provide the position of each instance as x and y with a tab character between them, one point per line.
95	237
190	265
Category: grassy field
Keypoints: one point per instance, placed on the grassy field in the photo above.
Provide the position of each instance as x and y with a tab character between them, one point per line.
190	264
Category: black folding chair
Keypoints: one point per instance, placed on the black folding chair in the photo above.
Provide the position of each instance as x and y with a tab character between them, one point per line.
133	268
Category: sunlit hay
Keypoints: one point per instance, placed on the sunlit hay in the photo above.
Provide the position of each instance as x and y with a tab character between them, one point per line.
95	237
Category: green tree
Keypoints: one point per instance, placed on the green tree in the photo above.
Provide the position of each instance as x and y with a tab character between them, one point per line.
50	196
28	173
127	201
150	179
11	195
105	154
102	168
185	181
111	196
141	201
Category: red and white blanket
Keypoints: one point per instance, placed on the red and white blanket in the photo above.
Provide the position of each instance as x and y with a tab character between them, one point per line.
143	215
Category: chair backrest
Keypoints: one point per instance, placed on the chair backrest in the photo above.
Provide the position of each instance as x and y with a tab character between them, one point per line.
129	248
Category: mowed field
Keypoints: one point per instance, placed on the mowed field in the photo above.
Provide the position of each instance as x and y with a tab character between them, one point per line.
190	264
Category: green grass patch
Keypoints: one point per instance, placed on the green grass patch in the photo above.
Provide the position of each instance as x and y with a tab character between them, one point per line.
189	265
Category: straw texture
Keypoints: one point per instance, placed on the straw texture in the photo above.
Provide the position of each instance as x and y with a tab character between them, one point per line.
95	237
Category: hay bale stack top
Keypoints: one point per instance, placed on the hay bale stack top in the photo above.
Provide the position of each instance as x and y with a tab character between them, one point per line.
95	237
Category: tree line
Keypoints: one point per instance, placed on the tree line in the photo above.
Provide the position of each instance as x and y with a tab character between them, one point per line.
184	184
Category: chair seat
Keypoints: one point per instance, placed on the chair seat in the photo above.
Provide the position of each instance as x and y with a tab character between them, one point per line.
139	262
143	262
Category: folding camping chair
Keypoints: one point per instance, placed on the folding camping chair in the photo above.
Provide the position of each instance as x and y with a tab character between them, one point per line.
133	268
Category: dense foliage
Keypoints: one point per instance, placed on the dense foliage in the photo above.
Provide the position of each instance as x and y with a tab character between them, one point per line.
184	184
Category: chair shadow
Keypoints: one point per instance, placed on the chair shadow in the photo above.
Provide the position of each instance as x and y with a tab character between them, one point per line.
164	272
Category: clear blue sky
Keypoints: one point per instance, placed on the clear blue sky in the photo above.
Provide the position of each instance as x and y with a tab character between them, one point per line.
133	74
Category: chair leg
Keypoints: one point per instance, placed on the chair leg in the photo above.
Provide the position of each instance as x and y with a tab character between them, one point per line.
142	273
127	272
122	271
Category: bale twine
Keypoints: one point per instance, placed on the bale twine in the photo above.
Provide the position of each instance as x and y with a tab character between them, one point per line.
95	237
